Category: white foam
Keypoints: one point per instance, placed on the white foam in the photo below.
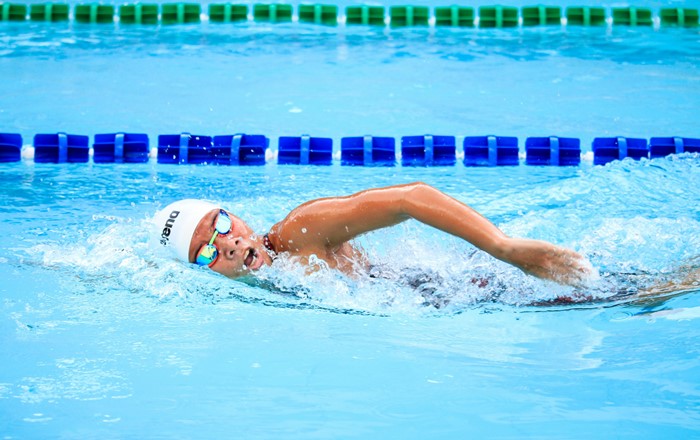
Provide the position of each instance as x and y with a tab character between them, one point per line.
421	269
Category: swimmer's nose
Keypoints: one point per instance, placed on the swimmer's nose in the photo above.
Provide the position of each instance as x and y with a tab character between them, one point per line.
232	246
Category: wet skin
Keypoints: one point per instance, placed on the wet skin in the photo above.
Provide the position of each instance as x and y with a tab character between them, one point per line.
240	251
325	227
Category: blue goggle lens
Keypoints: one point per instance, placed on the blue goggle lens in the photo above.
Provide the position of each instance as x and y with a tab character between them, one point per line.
208	253
223	223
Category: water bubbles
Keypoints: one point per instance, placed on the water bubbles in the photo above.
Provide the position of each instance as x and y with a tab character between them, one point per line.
37	418
601	212
621	316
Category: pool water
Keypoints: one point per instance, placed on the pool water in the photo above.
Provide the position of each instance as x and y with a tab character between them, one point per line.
291	79
104	337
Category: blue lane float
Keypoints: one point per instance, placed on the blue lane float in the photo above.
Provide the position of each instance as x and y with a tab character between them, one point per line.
663	146
10	147
428	150
61	148
184	148
609	149
120	148
491	151
368	151
305	150
553	151
240	149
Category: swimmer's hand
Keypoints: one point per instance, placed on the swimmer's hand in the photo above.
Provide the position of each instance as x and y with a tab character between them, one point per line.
547	261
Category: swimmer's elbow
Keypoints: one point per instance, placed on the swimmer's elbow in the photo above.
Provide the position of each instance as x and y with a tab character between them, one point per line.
418	185
413	195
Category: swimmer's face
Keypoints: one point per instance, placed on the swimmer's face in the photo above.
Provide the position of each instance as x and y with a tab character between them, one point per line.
240	251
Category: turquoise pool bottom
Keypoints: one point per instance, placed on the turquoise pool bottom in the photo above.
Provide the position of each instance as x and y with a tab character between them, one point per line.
104	338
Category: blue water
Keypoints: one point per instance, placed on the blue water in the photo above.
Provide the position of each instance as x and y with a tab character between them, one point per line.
292	79
103	337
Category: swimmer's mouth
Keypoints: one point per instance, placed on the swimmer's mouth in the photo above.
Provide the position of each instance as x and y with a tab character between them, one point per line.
250	258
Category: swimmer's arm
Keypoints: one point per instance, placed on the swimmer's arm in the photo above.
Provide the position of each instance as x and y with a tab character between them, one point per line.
339	219
333	221
535	257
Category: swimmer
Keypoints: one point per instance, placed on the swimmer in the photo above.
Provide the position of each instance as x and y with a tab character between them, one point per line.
205	234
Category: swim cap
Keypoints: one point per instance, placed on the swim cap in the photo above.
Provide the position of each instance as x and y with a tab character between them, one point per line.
176	224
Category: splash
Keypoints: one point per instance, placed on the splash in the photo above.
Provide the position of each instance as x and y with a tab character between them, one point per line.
640	239
417	274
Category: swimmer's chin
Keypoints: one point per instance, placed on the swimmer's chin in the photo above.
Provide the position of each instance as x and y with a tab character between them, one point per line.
239	275
245	278
247	273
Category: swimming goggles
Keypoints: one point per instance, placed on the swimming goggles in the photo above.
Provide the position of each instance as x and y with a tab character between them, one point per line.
208	253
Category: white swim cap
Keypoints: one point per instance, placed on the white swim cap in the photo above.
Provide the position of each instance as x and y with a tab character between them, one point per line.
176	224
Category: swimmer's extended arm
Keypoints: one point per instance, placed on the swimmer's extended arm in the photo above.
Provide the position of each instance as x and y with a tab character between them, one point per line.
333	221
